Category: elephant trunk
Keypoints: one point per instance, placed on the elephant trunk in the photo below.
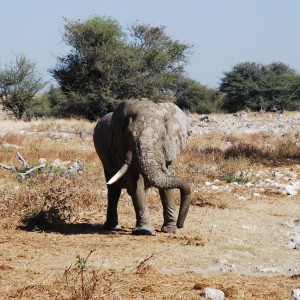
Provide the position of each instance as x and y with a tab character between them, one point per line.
152	169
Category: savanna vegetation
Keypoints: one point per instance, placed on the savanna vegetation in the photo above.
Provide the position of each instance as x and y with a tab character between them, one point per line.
52	245
107	63
245	184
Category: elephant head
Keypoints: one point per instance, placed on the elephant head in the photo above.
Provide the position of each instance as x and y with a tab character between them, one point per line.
147	137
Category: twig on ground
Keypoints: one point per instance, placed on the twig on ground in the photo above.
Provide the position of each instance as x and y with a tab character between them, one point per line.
12	168
22	160
41	166
28	169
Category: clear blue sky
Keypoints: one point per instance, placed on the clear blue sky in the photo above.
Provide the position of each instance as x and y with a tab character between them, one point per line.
223	32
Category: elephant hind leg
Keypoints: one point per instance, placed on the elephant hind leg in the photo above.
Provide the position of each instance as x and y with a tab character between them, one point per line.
169	211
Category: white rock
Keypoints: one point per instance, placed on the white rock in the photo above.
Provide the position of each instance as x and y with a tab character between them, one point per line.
292	245
223	261
42	160
292	174
276	174
215	187
256	194
247	227
226	266
213	294
295	294
296	241
241	198
267	270
7	146
291	190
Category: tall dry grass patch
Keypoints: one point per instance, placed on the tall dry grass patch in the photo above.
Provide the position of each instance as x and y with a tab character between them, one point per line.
72	125
47	202
222	156
75	126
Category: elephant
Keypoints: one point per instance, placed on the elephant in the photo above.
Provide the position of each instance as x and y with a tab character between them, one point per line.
136	145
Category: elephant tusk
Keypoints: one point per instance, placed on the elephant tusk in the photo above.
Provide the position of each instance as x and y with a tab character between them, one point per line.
119	174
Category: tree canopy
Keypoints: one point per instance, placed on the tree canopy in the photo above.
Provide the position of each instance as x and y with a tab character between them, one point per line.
255	85
19	83
105	65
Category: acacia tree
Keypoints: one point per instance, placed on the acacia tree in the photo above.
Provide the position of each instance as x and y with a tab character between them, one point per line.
104	65
194	97
19	83
255	85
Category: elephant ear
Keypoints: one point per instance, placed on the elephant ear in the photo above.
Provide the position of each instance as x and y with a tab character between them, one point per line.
177	130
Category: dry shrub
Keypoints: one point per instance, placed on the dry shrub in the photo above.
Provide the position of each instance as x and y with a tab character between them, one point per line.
81	282
235	170
201	157
12	138
250	151
45	205
288	149
280	151
47	202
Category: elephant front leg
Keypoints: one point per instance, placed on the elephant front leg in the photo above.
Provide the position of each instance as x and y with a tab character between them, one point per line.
112	221
169	211
143	219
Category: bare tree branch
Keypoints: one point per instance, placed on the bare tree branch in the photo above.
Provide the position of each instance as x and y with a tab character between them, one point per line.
22	160
28	169
41	166
12	168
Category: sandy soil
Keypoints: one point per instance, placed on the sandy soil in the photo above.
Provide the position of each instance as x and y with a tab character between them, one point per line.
240	247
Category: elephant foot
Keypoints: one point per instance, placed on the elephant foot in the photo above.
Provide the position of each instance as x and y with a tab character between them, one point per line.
143	230
170	229
111	226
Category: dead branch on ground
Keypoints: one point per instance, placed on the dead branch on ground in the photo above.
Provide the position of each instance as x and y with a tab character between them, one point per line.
27	169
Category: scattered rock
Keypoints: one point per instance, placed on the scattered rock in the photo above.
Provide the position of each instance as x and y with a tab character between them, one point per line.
247	227
205	119
213	294
75	168
226	266
8	146
42	160
57	163
240	114
291	189
276	174
295	242
256	194
295	294
267	269
65	168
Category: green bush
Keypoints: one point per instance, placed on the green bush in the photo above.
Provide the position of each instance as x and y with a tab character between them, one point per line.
104	65
255	86
194	97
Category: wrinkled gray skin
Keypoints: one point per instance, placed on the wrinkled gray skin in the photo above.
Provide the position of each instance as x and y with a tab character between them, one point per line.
146	137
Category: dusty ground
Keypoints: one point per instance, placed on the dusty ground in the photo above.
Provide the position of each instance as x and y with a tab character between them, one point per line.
233	240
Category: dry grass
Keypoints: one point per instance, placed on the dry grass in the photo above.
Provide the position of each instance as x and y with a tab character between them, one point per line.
60	220
59	125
